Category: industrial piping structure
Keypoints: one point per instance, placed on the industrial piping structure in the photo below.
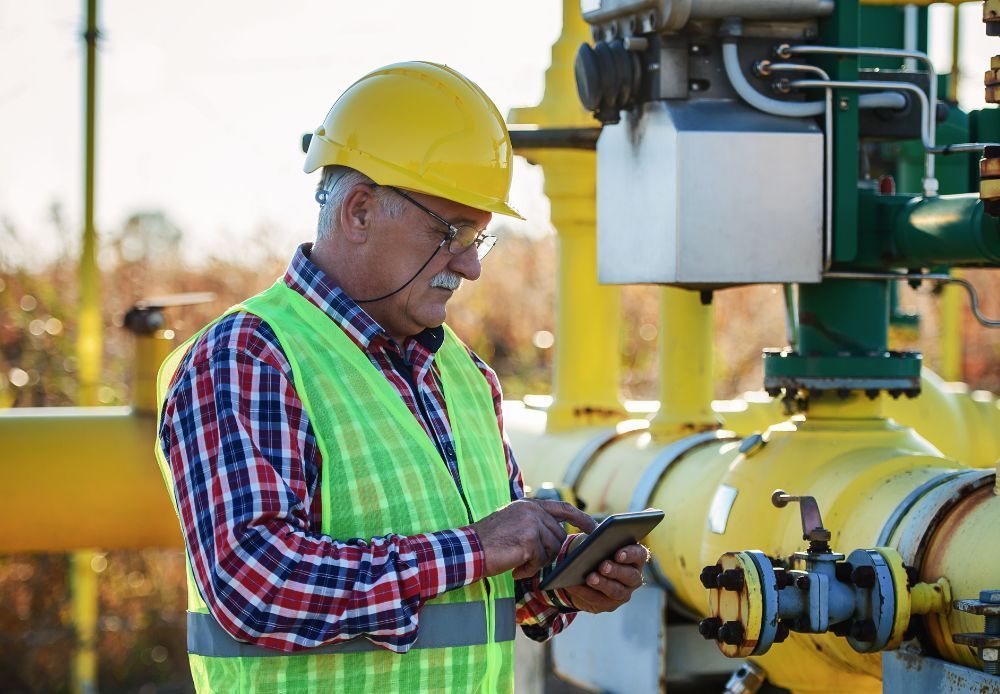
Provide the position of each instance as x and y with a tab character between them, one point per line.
887	495
703	181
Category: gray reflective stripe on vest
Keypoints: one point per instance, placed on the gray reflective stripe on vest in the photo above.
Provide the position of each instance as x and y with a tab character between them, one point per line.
441	626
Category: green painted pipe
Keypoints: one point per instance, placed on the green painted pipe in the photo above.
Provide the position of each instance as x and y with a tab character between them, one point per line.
947	230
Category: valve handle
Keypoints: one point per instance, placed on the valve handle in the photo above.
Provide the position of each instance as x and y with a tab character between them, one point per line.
812	521
146	315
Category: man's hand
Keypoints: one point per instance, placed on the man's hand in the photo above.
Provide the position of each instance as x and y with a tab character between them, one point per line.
526	535
612	585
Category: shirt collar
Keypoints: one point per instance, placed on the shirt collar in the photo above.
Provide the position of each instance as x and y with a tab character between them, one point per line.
305	277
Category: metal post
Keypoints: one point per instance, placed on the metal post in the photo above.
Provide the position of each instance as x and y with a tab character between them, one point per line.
83	580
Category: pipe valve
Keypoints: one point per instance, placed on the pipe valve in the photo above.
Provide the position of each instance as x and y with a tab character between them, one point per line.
756	601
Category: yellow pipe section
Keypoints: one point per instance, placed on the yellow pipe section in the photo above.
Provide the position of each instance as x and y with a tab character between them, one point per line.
950	331
588	318
859	465
962	425
686	370
94	469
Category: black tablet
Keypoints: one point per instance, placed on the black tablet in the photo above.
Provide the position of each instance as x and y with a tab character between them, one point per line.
612	534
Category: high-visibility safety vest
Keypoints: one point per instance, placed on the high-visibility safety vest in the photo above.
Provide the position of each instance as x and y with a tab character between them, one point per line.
381	475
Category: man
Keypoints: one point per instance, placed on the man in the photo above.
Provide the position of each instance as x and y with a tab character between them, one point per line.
352	511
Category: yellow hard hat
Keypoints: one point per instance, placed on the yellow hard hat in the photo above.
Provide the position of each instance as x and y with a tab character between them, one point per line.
423	127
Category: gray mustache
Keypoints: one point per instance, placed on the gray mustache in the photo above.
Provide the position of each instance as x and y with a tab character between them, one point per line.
446	280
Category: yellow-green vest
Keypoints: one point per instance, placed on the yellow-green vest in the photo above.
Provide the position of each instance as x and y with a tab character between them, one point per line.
381	475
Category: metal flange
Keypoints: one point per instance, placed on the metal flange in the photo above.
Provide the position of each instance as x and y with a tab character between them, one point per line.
897	373
884	605
743	609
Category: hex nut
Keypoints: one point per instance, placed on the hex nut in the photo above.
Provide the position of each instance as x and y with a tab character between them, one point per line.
731	633
864	577
709	628
710	576
731	579
990	654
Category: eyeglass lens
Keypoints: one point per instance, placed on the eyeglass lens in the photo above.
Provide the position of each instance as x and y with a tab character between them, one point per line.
468	235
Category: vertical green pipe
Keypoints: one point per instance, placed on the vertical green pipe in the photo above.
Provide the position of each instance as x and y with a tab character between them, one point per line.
843	318
83	579
842	29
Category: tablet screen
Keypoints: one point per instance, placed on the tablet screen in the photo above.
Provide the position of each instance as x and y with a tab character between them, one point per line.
614	532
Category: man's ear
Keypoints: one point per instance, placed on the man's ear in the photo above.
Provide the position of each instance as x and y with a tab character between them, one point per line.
357	212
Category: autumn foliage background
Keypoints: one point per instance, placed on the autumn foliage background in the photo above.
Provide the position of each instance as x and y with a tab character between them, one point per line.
508	317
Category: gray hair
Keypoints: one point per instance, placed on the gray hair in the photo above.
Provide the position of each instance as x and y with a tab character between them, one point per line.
334	185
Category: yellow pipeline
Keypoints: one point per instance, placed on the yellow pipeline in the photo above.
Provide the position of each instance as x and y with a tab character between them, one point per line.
588	320
94	468
858	464
961	424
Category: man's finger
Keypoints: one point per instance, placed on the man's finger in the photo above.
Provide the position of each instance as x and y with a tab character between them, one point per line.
568	512
626	574
611	588
554	526
551	539
636	555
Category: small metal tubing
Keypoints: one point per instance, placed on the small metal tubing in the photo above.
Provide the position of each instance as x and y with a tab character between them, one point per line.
929	276
786	51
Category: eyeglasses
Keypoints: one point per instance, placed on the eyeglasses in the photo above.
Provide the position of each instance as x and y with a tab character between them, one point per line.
458	237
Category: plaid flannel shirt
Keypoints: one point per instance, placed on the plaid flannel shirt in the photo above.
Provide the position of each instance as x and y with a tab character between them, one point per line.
247	472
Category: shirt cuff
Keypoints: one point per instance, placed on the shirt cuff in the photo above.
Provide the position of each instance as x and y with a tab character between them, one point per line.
557	598
447	559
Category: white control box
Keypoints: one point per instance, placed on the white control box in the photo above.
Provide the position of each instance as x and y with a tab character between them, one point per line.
709	193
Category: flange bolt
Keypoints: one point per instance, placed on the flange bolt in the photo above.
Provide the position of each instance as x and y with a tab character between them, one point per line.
802	582
731	579
843	571
709	628
710	576
731	633
863	577
987	643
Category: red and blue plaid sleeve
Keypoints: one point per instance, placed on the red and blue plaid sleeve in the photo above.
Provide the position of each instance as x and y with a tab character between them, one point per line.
246	472
541	614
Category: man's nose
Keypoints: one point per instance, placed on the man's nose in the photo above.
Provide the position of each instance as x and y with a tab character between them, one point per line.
467	264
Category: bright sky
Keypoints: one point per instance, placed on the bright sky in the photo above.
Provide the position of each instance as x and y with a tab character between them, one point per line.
202	104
